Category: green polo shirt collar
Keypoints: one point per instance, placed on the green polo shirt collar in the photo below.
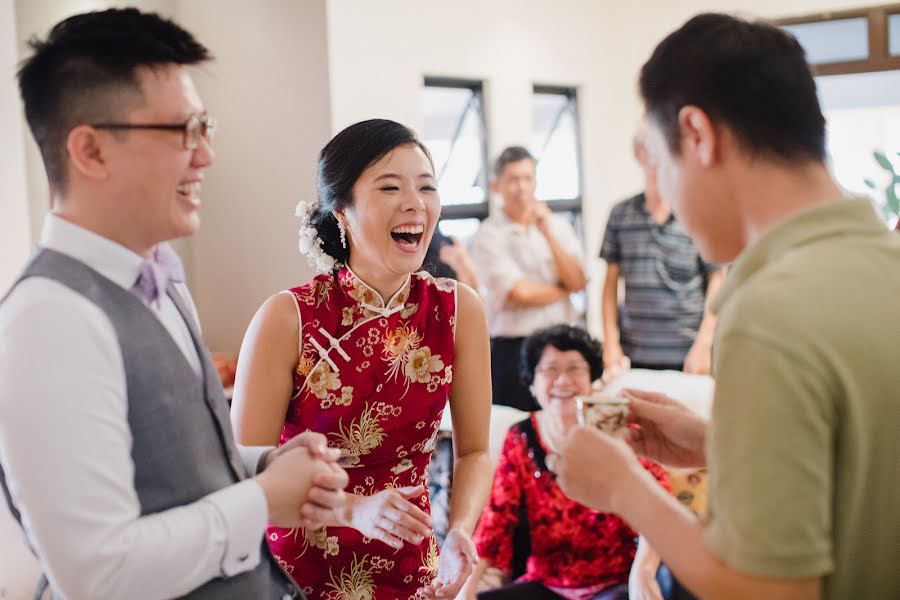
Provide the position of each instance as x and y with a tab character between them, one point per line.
853	216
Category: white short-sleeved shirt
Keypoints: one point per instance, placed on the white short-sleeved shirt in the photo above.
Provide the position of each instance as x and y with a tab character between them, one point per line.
505	253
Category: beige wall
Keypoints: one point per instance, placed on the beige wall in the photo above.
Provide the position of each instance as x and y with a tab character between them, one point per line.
15	236
269	89
18	569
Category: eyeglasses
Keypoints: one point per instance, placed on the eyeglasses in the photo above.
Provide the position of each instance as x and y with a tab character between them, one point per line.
574	371
197	127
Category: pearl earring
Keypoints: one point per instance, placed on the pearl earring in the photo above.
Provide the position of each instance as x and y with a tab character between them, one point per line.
343	234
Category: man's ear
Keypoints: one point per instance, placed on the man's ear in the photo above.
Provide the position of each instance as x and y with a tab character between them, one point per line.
699	137
87	152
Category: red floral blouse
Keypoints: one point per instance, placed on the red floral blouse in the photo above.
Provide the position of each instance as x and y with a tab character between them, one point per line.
572	546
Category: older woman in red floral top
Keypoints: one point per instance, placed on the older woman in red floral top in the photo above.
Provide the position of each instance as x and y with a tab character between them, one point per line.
575	552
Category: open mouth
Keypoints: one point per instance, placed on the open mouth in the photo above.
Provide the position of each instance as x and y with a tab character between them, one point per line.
408	236
190	192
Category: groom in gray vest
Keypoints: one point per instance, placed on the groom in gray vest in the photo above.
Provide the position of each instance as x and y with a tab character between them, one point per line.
116	451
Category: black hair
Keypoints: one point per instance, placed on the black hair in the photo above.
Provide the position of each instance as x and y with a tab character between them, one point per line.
511	155
750	76
563	338
341	162
84	72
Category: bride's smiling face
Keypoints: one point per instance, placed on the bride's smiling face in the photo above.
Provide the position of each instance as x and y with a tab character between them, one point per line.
394	212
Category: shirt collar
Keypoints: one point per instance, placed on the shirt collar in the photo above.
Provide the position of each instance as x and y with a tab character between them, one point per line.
114	261
849	216
641	200
504	221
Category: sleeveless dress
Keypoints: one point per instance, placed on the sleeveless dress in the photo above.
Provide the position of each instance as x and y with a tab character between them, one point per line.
374	377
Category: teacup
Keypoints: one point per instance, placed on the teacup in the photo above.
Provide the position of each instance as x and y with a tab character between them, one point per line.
605	412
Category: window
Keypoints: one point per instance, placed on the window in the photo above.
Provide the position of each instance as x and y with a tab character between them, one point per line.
454	131
834	41
894	34
852	41
556	146
856	58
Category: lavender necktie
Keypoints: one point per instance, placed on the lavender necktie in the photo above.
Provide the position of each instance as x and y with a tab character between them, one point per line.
156	273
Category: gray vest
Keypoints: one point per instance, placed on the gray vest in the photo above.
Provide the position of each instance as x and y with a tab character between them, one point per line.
183	446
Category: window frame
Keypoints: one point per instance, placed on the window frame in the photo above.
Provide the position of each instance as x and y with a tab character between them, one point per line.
571	93
879	58
477	210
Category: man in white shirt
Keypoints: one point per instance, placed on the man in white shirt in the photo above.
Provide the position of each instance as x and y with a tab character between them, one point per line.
529	262
116	454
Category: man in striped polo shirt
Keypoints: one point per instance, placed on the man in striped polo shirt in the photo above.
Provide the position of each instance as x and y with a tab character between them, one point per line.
663	322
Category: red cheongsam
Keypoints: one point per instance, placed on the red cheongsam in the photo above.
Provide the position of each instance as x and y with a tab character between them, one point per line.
374	377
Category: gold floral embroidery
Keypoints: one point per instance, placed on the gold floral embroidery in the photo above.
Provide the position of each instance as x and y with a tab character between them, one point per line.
321	379
421	364
346	396
409	311
320	539
430	559
285	565
322	290
380	564
444	285
355	583
360	437
364	295
306	362
403	465
347	316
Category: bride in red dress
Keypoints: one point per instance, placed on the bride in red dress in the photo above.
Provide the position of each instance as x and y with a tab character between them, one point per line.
367	354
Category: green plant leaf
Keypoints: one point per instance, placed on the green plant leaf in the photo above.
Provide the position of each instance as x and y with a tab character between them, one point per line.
869	183
882	160
893	202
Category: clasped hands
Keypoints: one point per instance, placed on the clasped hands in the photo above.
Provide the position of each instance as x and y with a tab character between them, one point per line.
306	468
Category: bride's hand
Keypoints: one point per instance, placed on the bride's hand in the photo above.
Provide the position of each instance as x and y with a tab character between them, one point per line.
390	516
458	558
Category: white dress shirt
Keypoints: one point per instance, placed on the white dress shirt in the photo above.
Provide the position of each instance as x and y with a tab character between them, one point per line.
65	445
505	253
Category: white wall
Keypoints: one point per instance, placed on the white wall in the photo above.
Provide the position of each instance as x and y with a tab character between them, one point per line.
380	52
15	237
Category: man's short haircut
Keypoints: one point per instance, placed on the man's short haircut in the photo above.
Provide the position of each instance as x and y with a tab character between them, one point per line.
751	77
511	155
84	72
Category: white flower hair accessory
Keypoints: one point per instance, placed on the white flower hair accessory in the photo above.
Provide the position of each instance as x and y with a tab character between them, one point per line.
310	243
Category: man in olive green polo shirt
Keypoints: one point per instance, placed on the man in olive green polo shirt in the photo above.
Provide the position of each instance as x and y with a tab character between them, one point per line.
803	445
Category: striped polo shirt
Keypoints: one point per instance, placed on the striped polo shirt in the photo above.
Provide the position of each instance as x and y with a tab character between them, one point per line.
665	283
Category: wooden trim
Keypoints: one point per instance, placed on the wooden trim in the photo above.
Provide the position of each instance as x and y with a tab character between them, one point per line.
836	15
857	66
879	58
